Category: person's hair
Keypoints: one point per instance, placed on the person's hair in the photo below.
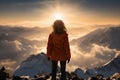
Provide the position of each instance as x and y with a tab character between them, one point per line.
59	27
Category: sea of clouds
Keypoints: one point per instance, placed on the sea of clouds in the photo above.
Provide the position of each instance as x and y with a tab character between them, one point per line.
18	43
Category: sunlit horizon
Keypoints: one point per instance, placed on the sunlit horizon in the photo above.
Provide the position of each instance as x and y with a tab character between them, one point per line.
72	13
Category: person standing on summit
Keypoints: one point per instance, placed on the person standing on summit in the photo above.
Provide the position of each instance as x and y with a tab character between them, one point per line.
58	48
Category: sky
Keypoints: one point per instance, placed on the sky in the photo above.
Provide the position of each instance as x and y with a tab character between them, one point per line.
80	17
73	12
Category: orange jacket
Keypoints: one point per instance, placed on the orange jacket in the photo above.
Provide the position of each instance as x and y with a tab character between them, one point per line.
58	47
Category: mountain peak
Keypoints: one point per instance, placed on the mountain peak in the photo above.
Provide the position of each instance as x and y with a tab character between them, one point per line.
109	36
34	65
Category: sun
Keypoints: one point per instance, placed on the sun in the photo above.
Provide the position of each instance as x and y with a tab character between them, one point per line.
58	16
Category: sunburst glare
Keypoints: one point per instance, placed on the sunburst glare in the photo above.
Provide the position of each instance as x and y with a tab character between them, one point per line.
58	16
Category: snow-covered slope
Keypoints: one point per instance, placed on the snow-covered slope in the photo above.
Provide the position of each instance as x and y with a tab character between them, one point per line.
35	64
38	64
80	73
106	70
109	36
110	68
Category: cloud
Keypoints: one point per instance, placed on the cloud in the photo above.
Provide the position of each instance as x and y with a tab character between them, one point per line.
7	62
98	5
18	6
102	52
96	11
10	49
98	55
17	43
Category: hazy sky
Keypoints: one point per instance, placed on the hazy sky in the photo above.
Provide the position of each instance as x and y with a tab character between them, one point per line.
73	12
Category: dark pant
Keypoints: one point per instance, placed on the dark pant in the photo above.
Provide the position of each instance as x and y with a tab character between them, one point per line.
54	69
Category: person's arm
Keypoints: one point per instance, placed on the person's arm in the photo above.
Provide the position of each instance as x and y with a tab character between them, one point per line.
49	46
67	47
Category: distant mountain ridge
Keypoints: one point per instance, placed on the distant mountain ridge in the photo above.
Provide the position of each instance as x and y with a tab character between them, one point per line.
109	36
34	65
